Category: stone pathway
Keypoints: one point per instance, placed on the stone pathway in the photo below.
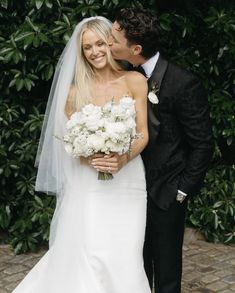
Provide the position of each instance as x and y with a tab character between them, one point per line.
208	268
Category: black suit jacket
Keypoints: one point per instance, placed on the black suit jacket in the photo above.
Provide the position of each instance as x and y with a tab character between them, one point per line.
180	148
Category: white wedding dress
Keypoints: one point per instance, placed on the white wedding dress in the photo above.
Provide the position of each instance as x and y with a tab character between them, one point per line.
97	236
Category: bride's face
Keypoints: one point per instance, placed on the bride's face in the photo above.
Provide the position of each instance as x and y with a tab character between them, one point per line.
94	49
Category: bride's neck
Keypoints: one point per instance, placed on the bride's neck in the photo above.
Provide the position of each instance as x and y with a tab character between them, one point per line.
105	75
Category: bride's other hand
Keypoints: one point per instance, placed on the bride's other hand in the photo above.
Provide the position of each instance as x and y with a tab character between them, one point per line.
87	160
111	163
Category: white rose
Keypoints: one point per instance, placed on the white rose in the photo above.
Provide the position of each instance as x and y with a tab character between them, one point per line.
116	127
71	123
116	111
79	149
91	109
110	145
92	116
114	146
96	142
153	98
75	120
107	107
93	123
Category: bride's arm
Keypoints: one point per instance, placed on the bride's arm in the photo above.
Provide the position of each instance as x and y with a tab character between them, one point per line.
69	108
138	88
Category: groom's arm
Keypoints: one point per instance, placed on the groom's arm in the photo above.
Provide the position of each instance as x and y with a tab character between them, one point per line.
192	111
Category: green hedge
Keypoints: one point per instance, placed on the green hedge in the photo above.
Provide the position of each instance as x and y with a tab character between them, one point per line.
33	33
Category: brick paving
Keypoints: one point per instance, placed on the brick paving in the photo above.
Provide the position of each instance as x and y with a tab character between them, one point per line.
208	268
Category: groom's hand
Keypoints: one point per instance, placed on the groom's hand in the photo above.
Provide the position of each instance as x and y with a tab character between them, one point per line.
111	163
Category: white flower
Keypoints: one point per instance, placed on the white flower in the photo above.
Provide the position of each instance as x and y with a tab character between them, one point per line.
96	142
153	98
112	146
69	149
116	127
75	130
92	117
91	109
127	102
108	106
106	129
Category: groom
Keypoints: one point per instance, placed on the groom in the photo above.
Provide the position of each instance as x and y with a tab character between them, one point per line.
179	149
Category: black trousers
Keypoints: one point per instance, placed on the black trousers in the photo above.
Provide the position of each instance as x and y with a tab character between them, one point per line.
163	246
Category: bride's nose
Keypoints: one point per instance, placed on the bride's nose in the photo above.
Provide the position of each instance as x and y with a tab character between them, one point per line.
110	41
94	50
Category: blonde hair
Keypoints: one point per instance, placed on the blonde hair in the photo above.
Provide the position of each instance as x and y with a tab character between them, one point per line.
84	73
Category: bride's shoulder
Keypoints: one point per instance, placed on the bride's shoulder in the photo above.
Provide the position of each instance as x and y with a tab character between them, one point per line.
136	82
133	77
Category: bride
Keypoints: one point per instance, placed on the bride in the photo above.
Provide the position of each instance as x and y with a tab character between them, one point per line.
97	231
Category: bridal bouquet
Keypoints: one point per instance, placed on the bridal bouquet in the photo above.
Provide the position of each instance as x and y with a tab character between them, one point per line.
106	129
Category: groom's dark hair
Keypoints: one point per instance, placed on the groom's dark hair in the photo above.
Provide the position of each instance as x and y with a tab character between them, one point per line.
140	27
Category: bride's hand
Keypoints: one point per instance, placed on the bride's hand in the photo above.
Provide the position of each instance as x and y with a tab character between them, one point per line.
87	160
111	163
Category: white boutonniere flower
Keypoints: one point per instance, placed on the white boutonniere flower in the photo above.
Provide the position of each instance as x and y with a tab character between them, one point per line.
152	95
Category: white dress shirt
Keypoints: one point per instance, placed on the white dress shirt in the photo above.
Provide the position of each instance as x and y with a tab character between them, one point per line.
150	64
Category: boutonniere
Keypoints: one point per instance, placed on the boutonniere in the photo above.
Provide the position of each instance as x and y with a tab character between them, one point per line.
152	95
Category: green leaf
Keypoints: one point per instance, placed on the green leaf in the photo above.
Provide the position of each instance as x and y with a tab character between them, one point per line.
18	247
49	72
49	4
5	50
66	19
4	3
33	26
39	3
38	201
28	84
229	140
12	83
14	167
217	204
36	41
19	84
29	40
23	36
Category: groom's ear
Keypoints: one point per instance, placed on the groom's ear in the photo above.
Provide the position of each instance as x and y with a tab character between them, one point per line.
136	49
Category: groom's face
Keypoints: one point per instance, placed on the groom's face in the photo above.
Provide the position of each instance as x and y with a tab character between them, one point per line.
119	44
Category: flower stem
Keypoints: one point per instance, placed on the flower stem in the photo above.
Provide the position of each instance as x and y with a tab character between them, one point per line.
104	176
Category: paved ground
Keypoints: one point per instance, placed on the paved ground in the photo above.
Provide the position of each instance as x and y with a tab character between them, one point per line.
208	268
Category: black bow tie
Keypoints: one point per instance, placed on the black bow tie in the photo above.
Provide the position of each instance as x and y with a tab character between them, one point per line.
140	69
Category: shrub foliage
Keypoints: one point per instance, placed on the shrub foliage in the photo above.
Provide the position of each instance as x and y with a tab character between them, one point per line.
33	34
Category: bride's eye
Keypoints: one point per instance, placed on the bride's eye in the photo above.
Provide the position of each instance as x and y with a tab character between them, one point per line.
86	48
101	43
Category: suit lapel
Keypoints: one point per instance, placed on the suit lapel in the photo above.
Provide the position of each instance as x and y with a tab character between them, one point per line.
158	73
155	80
